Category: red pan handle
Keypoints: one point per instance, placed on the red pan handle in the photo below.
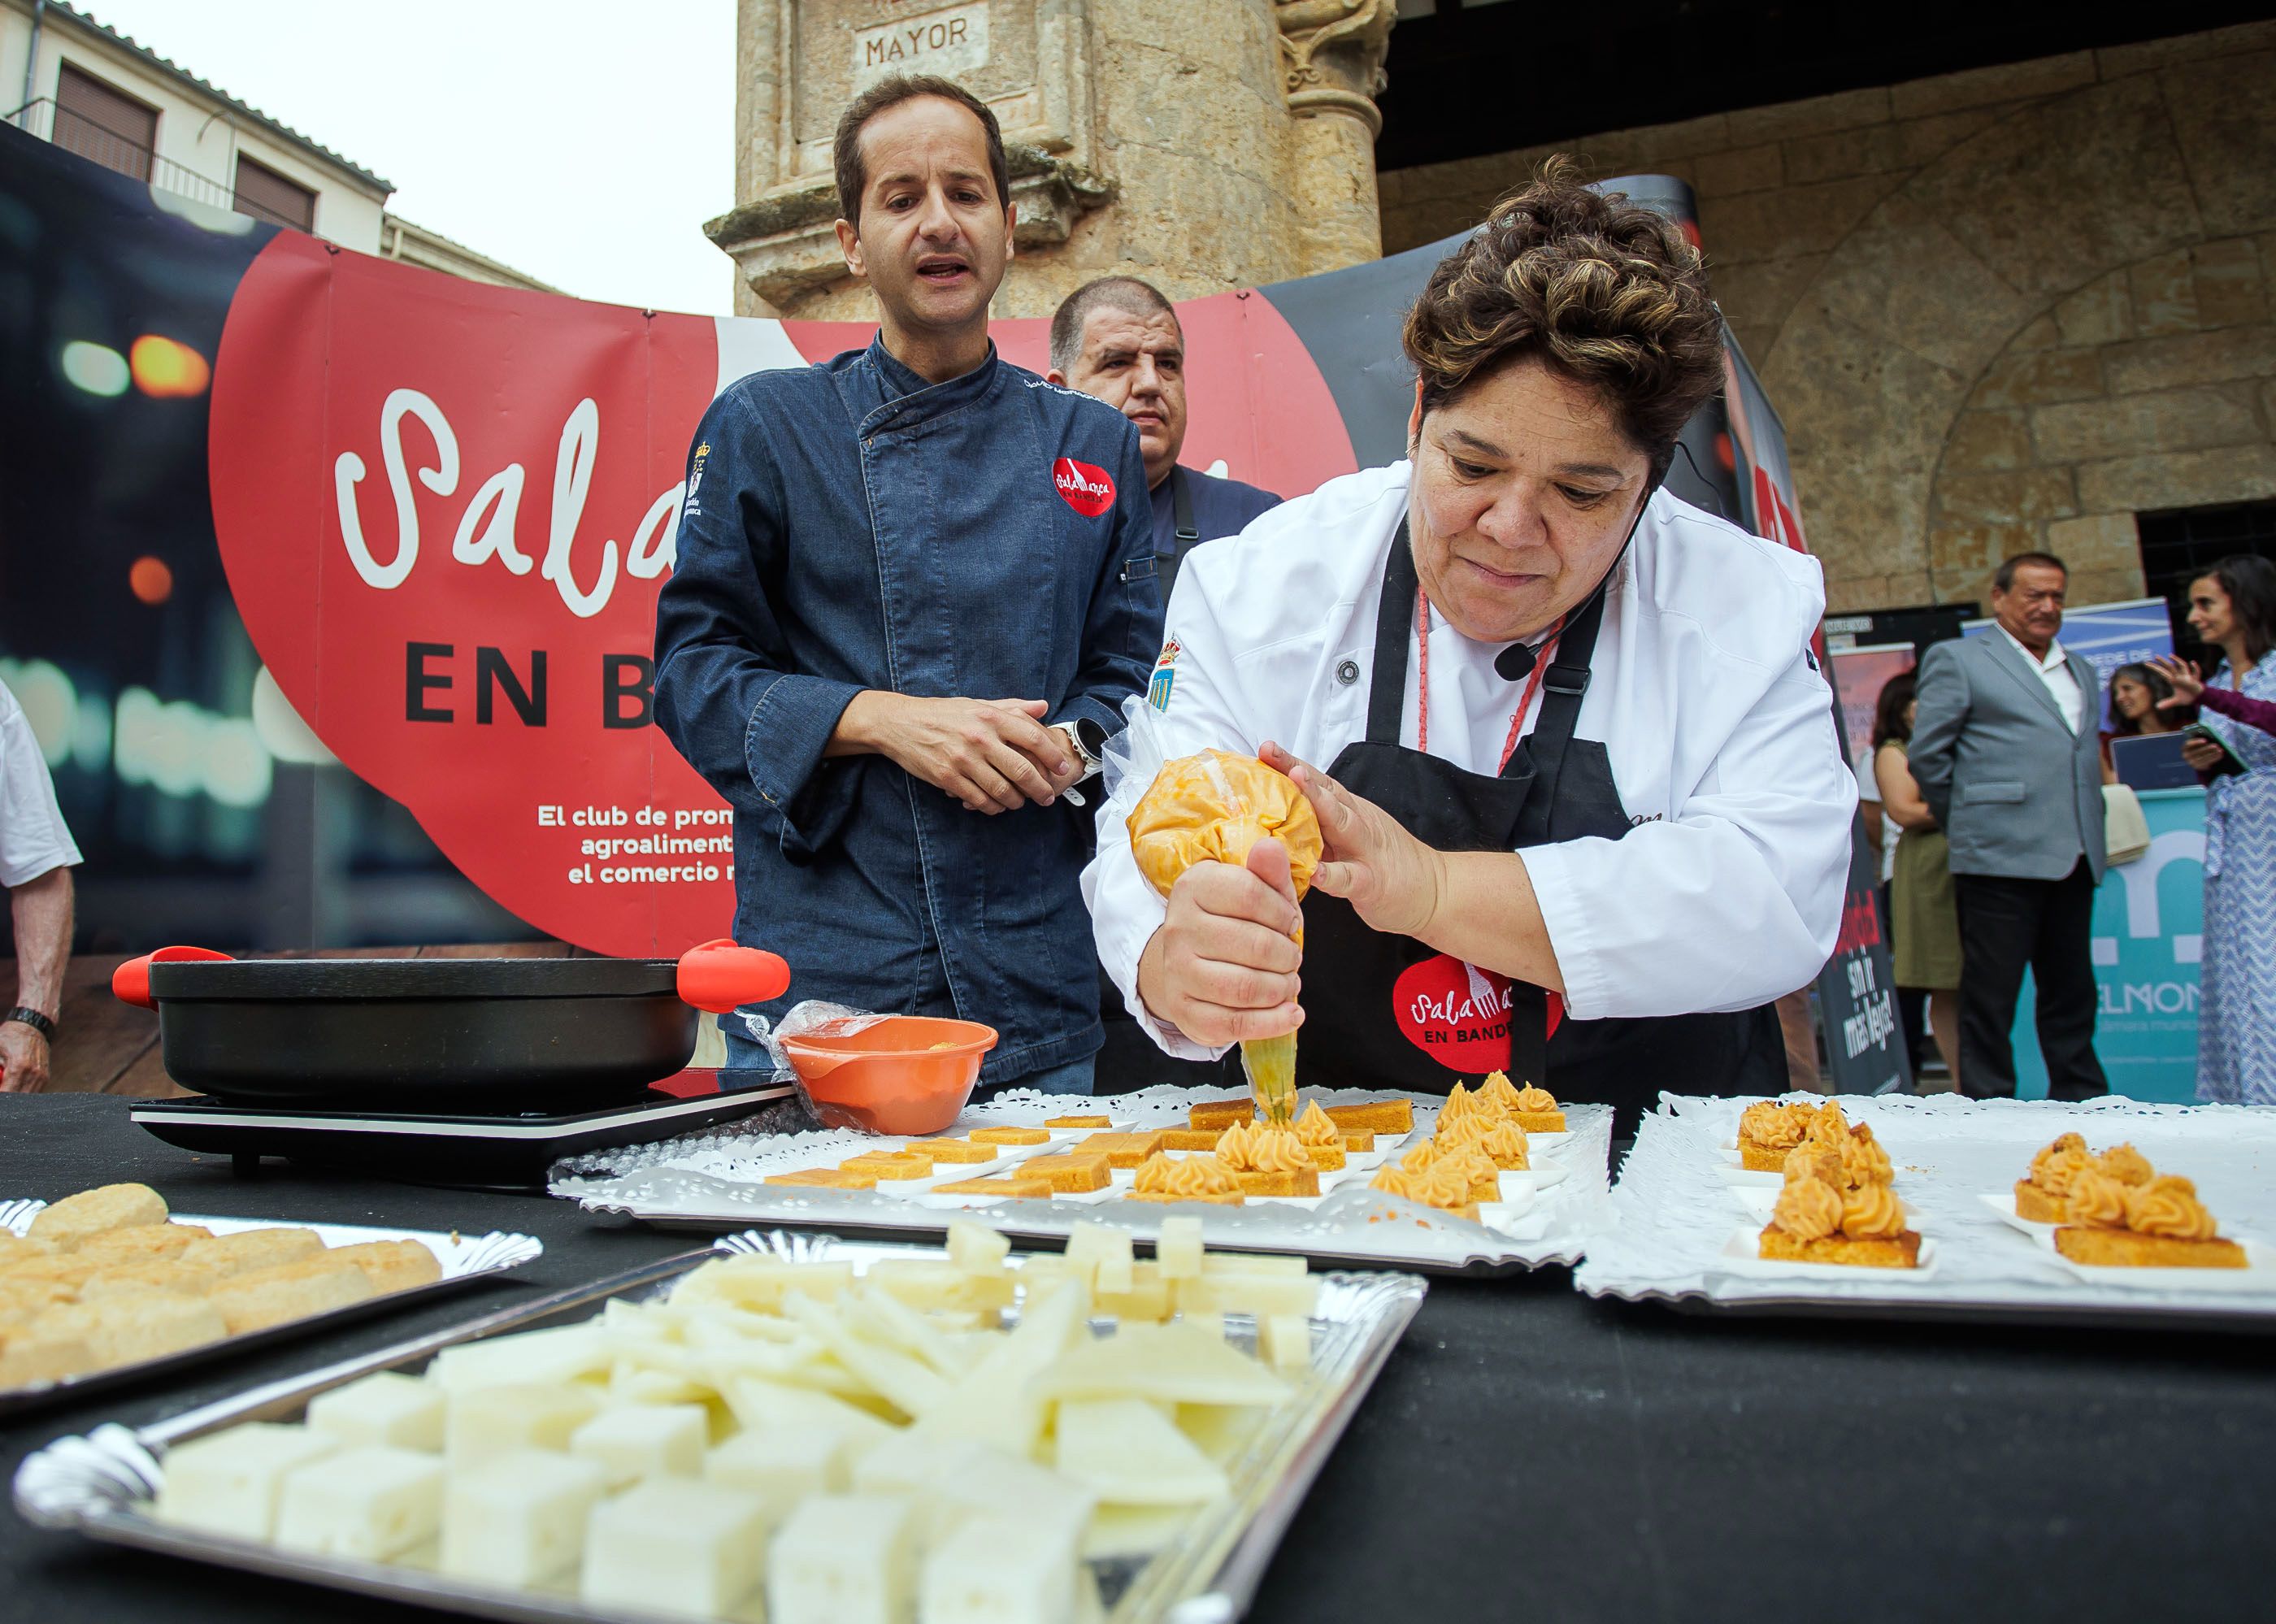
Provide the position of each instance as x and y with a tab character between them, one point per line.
722	977
130	983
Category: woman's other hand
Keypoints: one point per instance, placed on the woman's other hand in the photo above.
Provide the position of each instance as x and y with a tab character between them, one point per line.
1394	882
2201	754
2188	682
1223	967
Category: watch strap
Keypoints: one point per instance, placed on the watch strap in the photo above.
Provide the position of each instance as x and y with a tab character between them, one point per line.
31	1018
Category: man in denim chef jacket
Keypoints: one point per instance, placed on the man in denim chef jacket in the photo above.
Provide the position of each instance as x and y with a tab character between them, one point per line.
914	585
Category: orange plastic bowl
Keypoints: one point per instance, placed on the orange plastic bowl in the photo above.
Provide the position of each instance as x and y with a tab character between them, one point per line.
905	1075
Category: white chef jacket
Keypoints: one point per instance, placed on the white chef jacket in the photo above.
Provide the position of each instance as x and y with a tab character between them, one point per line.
1728	891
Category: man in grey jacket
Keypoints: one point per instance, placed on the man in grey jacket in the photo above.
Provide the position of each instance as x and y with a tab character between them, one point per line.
2008	751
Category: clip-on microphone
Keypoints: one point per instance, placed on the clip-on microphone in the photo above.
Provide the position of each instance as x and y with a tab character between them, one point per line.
1515	662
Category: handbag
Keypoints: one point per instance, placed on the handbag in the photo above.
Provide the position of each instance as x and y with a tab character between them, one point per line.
2126	831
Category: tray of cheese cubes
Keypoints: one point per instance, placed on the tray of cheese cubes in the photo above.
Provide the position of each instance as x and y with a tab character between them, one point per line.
798	1429
1480	1181
108	1286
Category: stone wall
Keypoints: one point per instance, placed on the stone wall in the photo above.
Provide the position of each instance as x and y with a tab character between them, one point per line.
1997	310
1203	145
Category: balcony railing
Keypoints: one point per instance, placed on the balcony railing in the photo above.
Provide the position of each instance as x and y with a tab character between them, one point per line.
75	132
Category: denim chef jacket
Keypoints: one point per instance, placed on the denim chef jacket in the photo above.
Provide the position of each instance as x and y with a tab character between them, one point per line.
848	526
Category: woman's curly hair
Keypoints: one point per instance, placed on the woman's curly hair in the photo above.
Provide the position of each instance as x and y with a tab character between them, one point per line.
1599	290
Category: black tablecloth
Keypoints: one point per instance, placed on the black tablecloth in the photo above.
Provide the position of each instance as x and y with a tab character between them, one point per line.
1527	1454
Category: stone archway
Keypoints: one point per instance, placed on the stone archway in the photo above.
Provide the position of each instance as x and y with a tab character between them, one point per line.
1947	378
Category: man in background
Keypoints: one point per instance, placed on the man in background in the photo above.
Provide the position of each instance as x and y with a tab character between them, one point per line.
37	855
2008	756
1118	339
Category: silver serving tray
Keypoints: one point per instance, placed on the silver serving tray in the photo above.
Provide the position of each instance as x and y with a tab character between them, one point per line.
102	1485
464	1259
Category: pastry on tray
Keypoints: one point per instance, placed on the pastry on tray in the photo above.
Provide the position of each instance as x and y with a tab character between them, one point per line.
2156	1223
1817	1220
1216	1115
1010	1136
1535	1110
960	1152
1444	1185
1070	1173
826	1178
1120	1149
1017	1183
1381	1116
1265	1160
889	1164
1769	1128
1190	1138
1320	1137
1196	1177
2043	1196
1079	1121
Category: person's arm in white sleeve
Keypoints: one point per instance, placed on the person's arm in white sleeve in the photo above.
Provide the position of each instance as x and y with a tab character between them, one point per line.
36	856
1759	855
1205	710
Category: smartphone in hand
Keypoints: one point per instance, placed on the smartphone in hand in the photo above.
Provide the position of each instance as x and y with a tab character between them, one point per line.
2230	762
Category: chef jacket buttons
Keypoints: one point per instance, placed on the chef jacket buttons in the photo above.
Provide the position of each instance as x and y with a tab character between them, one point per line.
1347	672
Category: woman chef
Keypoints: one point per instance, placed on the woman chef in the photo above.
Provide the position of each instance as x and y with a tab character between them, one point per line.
1576	749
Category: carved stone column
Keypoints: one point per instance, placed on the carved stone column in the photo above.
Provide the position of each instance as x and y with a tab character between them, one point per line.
1332	51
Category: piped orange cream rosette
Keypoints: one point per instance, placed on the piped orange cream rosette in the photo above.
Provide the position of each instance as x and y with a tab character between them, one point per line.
1214	808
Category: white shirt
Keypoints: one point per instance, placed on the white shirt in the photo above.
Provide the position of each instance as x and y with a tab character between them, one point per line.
33	837
1869	789
2055	672
1728	891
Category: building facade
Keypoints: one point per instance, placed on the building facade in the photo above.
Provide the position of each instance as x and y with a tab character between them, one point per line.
91	90
2029	306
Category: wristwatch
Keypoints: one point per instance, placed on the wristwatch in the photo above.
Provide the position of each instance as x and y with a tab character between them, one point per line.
31	1018
1090	741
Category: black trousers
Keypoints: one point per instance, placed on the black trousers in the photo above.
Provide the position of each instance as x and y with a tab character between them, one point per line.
2005	926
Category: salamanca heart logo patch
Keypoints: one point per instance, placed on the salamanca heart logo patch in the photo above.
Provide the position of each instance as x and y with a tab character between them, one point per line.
1456	1012
1087	488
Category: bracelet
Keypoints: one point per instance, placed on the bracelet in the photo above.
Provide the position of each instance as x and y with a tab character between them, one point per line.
31	1018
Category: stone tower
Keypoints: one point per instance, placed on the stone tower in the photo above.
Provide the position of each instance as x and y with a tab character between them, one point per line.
1201	144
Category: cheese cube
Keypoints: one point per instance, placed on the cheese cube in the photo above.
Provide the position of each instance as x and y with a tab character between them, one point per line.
993	1483
1103	1252
227	1482
844	1558
782	1465
676	1546
1148	1296
1000	1570
644	1440
1178	1248
974	1249
518	1518
372	1504
1286	1341
558	1355
520	1416
386	1409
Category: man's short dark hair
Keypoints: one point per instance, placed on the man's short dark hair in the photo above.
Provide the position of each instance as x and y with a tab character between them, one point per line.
2003	578
891	91
1124	293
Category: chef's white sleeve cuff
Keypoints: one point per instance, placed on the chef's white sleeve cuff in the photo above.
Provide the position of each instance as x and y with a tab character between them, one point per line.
1566	913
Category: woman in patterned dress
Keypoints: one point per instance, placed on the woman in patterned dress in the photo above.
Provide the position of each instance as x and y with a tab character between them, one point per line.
2233	606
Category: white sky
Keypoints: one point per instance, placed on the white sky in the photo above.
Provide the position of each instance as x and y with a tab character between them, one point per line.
581	143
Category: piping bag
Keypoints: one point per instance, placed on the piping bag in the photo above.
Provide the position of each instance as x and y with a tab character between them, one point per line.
1214	808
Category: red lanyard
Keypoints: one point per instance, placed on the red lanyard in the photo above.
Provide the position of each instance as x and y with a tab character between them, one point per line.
1423	682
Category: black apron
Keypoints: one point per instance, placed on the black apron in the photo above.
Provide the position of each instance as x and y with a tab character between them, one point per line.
1185	531
1385	1012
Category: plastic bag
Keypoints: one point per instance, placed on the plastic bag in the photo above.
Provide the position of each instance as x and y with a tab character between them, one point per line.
813	1018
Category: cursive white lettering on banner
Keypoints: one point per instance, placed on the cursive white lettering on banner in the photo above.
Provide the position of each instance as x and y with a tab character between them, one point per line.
655	544
503	490
441	479
486	530
573	473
